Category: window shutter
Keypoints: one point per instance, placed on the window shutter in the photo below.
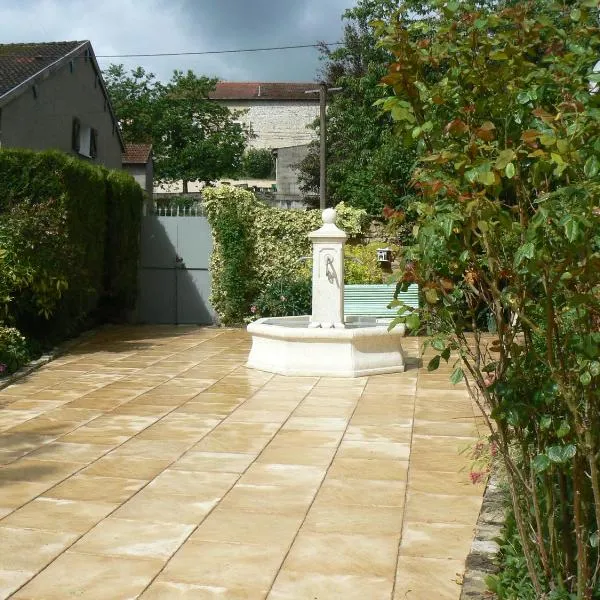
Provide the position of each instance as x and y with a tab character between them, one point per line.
94	143
75	134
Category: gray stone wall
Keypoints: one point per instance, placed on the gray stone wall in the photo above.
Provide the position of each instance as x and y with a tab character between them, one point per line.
43	120
277	123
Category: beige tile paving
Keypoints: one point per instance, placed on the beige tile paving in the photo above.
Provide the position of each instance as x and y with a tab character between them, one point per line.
150	463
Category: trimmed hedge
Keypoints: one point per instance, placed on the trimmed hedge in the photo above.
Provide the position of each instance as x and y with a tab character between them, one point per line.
257	246
124	219
69	234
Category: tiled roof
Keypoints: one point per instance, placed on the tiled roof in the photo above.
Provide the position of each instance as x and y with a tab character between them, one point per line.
230	90
137	153
19	62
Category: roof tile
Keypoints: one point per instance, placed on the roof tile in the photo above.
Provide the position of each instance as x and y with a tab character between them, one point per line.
19	62
231	90
137	153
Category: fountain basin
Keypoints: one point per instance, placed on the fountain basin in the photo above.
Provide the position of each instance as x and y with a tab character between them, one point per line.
287	346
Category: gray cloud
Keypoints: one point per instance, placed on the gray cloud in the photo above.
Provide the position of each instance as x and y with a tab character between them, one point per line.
148	26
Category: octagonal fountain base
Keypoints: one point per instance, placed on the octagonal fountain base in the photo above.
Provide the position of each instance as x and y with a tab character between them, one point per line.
287	346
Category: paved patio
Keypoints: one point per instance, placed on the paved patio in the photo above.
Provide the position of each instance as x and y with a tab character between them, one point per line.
150	463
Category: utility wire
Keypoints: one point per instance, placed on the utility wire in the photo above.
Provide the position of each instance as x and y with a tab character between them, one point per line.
199	53
218	51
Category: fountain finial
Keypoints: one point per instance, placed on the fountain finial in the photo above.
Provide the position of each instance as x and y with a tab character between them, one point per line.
329	216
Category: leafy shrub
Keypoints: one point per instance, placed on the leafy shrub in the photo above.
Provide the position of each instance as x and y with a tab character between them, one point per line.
256	245
361	265
14	351
508	182
177	202
286	297
55	212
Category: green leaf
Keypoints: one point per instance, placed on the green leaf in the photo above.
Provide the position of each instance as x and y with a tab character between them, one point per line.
571	227
438	345
548	139
434	363
446	354
431	296
591	167
486	178
540	463
525	251
504	158
585	378
561	454
457	376
412	321
575	14
523	98
545	422
510	170
563	429
594	539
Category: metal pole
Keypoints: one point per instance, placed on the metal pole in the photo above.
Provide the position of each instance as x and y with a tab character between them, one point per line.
323	136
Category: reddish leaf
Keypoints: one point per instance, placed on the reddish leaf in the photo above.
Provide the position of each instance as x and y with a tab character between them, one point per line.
456	127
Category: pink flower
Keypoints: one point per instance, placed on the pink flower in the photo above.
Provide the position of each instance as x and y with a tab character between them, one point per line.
253	309
489	380
477	476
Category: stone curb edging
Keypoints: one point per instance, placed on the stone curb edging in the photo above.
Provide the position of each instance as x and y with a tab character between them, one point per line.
481	559
57	351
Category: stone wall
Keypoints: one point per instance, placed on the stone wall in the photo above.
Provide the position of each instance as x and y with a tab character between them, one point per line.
277	123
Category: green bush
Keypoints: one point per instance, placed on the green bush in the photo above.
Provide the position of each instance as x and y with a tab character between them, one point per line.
14	351
55	212
361	265
289	296
256	246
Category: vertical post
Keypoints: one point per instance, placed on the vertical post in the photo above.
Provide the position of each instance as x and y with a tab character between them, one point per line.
323	154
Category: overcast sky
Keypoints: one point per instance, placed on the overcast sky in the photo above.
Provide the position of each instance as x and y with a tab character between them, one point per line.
147	26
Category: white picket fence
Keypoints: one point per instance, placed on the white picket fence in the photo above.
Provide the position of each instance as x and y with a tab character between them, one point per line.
179	211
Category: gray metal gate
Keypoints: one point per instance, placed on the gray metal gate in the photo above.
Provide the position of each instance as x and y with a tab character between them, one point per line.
174	275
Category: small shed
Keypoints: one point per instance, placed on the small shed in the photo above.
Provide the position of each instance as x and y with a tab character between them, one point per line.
137	161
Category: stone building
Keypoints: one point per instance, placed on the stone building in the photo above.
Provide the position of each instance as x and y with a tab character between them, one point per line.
279	114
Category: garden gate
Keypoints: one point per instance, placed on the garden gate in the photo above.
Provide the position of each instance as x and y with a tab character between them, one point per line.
174	273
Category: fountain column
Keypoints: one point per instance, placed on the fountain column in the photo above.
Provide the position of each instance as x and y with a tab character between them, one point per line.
328	274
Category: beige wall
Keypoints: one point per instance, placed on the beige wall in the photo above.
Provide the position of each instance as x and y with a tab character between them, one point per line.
45	122
277	124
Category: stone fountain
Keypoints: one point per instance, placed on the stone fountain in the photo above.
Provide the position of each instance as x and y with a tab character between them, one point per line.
324	343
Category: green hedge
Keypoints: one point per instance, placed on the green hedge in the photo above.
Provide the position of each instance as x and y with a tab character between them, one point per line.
57	214
124	218
257	246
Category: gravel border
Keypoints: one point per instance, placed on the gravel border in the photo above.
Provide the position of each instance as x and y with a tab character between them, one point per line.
481	560
57	351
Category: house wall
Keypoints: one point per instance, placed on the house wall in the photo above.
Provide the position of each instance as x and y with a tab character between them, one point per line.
143	174
45	122
287	173
277	123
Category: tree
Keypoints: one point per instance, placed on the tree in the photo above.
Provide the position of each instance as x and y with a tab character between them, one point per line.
367	167
194	138
503	103
258	163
